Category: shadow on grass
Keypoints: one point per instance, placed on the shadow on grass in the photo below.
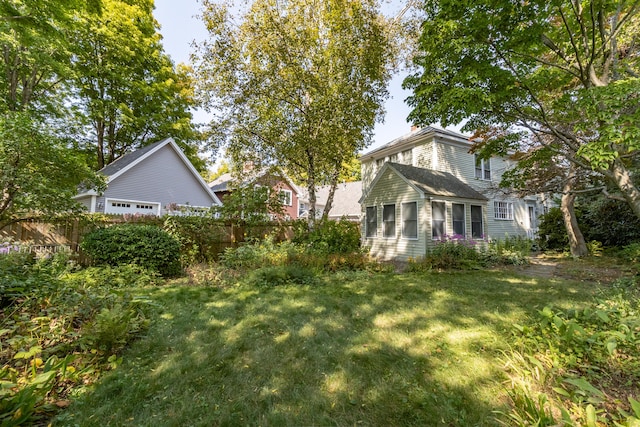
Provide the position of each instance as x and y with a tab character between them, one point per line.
358	349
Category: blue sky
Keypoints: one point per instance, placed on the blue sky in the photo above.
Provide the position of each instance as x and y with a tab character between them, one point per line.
180	28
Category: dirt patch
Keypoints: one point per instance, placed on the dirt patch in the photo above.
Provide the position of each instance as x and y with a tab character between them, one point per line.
589	269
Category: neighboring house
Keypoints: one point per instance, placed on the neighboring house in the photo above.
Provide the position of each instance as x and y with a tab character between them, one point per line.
427	186
155	180
346	201
276	181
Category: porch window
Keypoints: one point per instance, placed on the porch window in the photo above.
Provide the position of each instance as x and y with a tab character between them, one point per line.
410	220
372	222
458	219
437	220
389	221
503	210
483	168
476	222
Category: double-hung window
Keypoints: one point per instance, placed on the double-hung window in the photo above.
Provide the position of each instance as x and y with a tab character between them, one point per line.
286	197
389	221
458	219
437	220
503	210
410	220
483	168
372	221
476	222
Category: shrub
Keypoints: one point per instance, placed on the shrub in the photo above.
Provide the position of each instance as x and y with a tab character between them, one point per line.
611	222
512	250
143	245
552	233
631	253
199	237
330	237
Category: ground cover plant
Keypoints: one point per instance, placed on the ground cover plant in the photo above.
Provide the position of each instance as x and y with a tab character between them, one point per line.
352	347
60	329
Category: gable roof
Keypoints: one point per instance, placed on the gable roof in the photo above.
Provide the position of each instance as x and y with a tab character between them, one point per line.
122	164
430	182
345	199
222	183
416	136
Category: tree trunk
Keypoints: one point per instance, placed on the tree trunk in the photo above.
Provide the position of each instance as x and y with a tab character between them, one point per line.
577	245
622	178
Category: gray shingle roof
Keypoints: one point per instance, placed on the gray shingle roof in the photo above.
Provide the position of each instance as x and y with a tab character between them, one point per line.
124	161
415	135
436	183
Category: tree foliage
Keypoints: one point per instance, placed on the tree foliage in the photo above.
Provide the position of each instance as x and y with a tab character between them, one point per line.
299	83
128	90
563	75
38	172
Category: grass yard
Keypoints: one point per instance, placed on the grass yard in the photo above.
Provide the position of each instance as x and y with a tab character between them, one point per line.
360	348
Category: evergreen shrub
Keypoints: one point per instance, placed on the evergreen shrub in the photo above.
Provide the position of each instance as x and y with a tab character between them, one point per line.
143	245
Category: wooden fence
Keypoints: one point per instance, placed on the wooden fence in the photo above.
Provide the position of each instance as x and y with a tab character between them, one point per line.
53	236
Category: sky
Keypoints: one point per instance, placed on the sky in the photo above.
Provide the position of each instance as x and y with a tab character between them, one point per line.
180	27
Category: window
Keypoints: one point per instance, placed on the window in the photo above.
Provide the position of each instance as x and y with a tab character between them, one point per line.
437	220
483	168
379	163
393	158
458	219
410	220
389	221
372	221
476	222
286	197
407	157
503	210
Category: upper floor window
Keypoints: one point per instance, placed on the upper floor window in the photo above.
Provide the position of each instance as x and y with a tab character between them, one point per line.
379	163
393	158
407	157
286	197
503	210
483	168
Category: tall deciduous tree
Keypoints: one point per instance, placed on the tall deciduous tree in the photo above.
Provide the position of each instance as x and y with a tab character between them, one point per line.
34	52
128	89
298	83
564	71
39	174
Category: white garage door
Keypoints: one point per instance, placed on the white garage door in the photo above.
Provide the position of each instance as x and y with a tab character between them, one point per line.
131	207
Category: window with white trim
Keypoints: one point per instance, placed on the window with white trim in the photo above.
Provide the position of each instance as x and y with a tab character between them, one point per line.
407	157
389	221
371	222
457	219
393	158
503	210
483	168
477	231
286	197
437	220
410	220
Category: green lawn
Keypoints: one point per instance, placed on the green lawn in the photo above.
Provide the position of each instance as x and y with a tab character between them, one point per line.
353	349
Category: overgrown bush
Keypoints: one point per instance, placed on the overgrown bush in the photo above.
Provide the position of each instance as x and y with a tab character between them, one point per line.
143	245
631	253
611	222
552	233
329	237
512	250
199	237
583	365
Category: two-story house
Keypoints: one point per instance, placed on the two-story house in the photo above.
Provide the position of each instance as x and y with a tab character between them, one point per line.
426	186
